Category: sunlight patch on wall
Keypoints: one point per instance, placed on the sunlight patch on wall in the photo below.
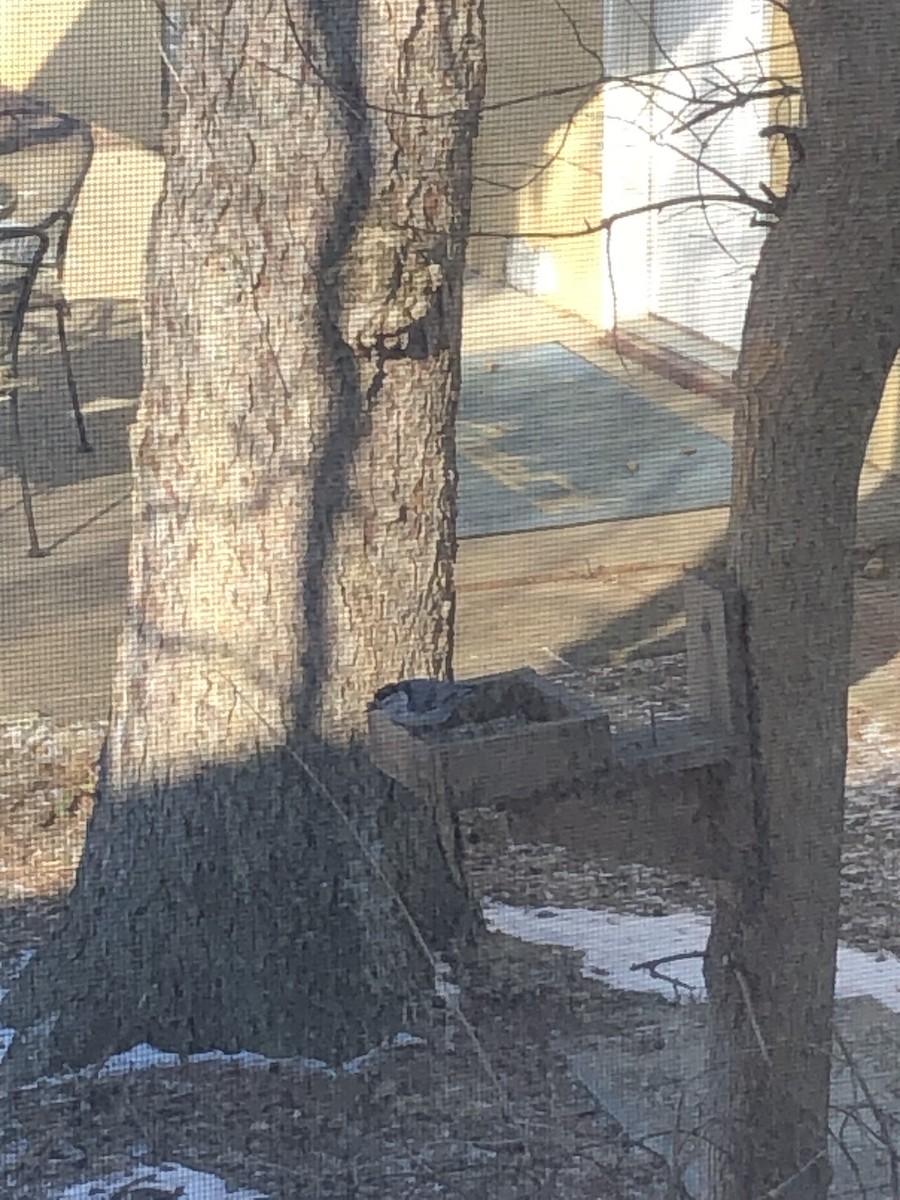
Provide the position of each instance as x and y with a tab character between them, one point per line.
530	271
30	34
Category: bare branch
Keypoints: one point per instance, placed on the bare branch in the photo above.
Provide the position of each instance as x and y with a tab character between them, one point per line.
746	201
702	165
740	100
699	163
590	86
653	964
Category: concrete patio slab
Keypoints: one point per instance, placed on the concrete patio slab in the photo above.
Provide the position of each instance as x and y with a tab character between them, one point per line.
654	1083
548	439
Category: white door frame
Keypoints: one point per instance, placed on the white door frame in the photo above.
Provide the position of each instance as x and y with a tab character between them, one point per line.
691	268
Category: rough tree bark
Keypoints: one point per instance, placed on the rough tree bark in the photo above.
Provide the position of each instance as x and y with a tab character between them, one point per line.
292	550
822	330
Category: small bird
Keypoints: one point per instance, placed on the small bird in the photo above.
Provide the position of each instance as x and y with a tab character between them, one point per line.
421	703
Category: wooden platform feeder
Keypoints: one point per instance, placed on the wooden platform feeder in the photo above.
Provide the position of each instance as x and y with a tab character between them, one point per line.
516	734
521	743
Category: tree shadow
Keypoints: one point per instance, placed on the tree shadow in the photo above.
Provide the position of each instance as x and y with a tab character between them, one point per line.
105	345
338	26
254	904
107	69
875	643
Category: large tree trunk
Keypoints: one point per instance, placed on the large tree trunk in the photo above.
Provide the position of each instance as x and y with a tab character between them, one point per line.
292	551
822	330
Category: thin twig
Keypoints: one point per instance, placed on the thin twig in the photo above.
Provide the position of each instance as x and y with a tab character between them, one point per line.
652	965
751	1015
537	170
640	79
782	1188
838	1138
579	36
745	200
739	100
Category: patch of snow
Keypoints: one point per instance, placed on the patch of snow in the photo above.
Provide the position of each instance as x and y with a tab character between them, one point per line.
145	1057
407	1039
863	974
612	942
354	1065
138	1058
170	1178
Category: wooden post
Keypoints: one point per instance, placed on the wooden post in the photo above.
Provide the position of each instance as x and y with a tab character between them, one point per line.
709	684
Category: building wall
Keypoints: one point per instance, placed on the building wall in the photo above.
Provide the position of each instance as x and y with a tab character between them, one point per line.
538	163
100	59
97	59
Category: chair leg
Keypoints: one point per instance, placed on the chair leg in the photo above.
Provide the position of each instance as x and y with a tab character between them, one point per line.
83	443
34	549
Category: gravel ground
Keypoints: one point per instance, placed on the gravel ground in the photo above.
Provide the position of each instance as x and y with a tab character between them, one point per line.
533	874
870	887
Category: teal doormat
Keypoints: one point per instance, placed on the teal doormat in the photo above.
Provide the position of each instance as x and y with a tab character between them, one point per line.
546	439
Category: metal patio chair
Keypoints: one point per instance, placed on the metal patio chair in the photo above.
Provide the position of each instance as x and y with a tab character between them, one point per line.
21	254
44	159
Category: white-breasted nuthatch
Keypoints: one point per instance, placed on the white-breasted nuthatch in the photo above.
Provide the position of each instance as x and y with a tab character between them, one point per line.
421	703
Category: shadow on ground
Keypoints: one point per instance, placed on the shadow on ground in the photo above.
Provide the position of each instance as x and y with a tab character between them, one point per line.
105	348
877	600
